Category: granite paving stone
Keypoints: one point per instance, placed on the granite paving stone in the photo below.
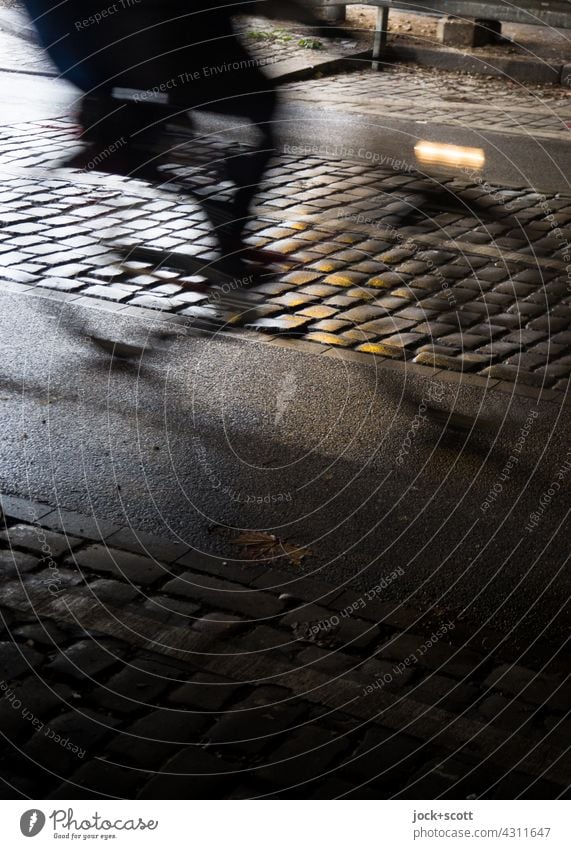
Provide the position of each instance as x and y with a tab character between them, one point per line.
98	779
16	562
151	740
306	755
87	658
191	774
133	568
226	595
204	693
512	373
82	730
383	349
254	726
17	659
41	542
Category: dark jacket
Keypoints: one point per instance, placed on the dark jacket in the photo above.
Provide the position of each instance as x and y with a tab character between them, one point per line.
140	44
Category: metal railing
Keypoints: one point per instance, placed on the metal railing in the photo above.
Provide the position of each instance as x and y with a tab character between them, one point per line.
552	13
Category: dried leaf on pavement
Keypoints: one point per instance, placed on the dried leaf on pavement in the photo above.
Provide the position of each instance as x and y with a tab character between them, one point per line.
263	546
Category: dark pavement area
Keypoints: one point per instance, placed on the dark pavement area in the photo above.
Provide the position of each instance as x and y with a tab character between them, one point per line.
166	444
139	668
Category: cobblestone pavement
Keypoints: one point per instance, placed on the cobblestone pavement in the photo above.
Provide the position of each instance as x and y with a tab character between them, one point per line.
17	54
445	97
283	40
134	667
461	276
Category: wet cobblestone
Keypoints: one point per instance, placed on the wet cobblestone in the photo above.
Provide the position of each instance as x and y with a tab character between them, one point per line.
445	97
379	266
283	709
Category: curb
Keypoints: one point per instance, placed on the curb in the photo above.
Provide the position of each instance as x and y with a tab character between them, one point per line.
520	69
526	70
293	70
309	590
372	361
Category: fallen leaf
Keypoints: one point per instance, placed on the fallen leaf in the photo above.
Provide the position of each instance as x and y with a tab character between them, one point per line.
255	538
295	554
262	546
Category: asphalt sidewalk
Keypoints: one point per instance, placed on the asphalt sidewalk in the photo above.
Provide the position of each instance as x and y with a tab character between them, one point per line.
135	667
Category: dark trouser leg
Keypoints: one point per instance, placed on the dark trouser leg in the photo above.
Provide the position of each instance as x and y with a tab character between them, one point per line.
106	119
246	170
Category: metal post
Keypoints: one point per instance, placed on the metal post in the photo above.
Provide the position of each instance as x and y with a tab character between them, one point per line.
333	14
380	36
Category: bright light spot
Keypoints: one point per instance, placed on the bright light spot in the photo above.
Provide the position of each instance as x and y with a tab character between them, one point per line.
450	154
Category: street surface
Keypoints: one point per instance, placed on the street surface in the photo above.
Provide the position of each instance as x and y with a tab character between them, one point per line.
398	417
327	432
159	445
328	124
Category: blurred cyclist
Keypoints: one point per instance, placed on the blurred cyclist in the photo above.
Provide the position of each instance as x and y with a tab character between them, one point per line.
141	63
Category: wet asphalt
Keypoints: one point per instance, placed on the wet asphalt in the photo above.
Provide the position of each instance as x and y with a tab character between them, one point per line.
204	437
